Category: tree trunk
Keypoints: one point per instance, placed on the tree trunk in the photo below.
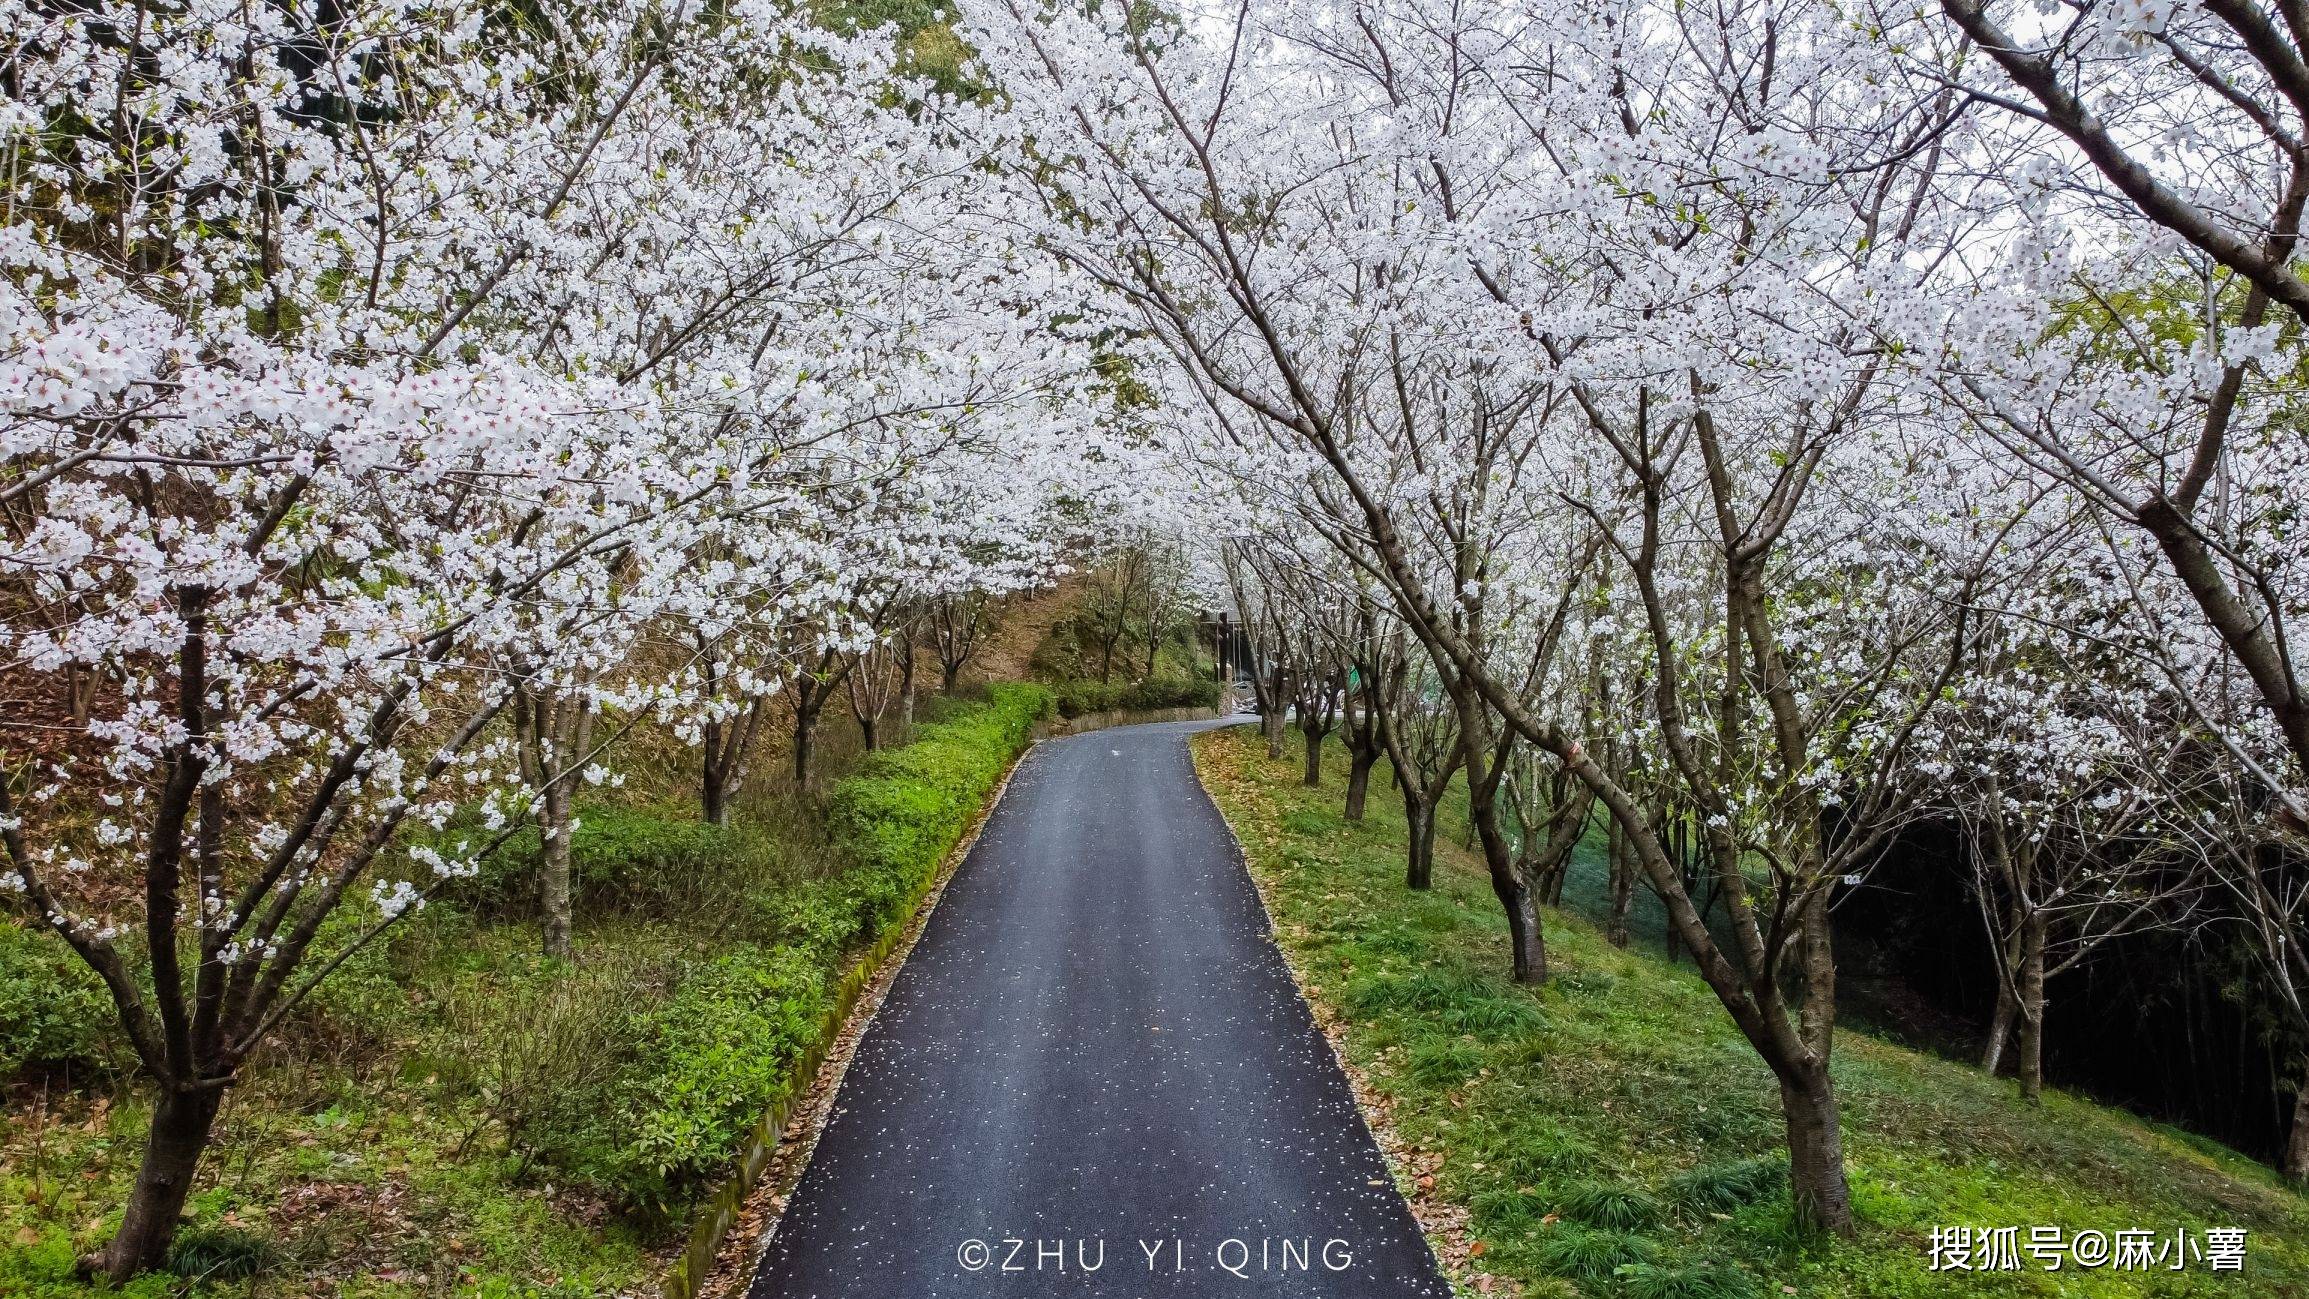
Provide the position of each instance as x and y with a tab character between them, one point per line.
1999	1029
1359	764
1623	881
181	1122
871	732
1274	722
1528	944
713	783
805	731
1419	817
1823	1201
2032	1010
2296	1162
553	871
947	672
1314	776
1525	939
906	685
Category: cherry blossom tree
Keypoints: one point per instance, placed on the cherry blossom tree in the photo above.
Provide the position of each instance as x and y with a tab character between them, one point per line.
379	378
1640	252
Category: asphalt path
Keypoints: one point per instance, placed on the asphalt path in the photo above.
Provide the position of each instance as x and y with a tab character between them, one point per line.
1095	1056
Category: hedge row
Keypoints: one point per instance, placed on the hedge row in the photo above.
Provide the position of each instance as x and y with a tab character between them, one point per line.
638	1072
1076	698
723	1051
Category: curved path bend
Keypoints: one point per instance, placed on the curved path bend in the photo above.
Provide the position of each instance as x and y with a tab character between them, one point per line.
1094	1054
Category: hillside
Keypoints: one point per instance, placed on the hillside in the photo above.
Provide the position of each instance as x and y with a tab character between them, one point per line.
1611	1134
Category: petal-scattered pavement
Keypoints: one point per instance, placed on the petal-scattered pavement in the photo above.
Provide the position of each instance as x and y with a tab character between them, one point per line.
1094	1076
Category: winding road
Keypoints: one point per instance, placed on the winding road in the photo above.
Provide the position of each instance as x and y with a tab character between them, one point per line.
1094	1076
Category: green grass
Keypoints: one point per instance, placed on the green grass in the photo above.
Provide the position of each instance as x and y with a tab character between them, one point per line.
456	1115
1612	1135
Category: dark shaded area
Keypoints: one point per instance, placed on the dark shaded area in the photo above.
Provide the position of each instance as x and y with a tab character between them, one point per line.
2164	1025
1096	1040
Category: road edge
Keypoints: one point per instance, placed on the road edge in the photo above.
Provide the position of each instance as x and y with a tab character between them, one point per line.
755	1221
1435	1218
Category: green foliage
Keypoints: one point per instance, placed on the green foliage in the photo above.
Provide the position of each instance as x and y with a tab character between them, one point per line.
1686	1281
545	1049
1079	698
635	859
715	1058
1725	1187
362	999
214	1253
54	1011
1628	1068
1610	1204
552	1118
1307	823
905	808
1453	1000
1589	1254
709	1061
1442	1061
1503	1210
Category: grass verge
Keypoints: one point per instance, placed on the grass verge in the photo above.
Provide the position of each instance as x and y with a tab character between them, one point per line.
1611	1135
456	1115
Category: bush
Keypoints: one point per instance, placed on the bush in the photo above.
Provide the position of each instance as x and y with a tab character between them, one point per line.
1077	698
54	1011
714	1059
363	1003
545	1049
636	859
716	1056
906	808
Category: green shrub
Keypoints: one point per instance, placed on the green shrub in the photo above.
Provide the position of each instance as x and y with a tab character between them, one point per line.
53	1009
723	1049
363	1002
816	917
544	1049
715	1057
642	1075
1077	698
1609	1204
637	859
906	807
1588	1254
1686	1281
205	1253
1722	1188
